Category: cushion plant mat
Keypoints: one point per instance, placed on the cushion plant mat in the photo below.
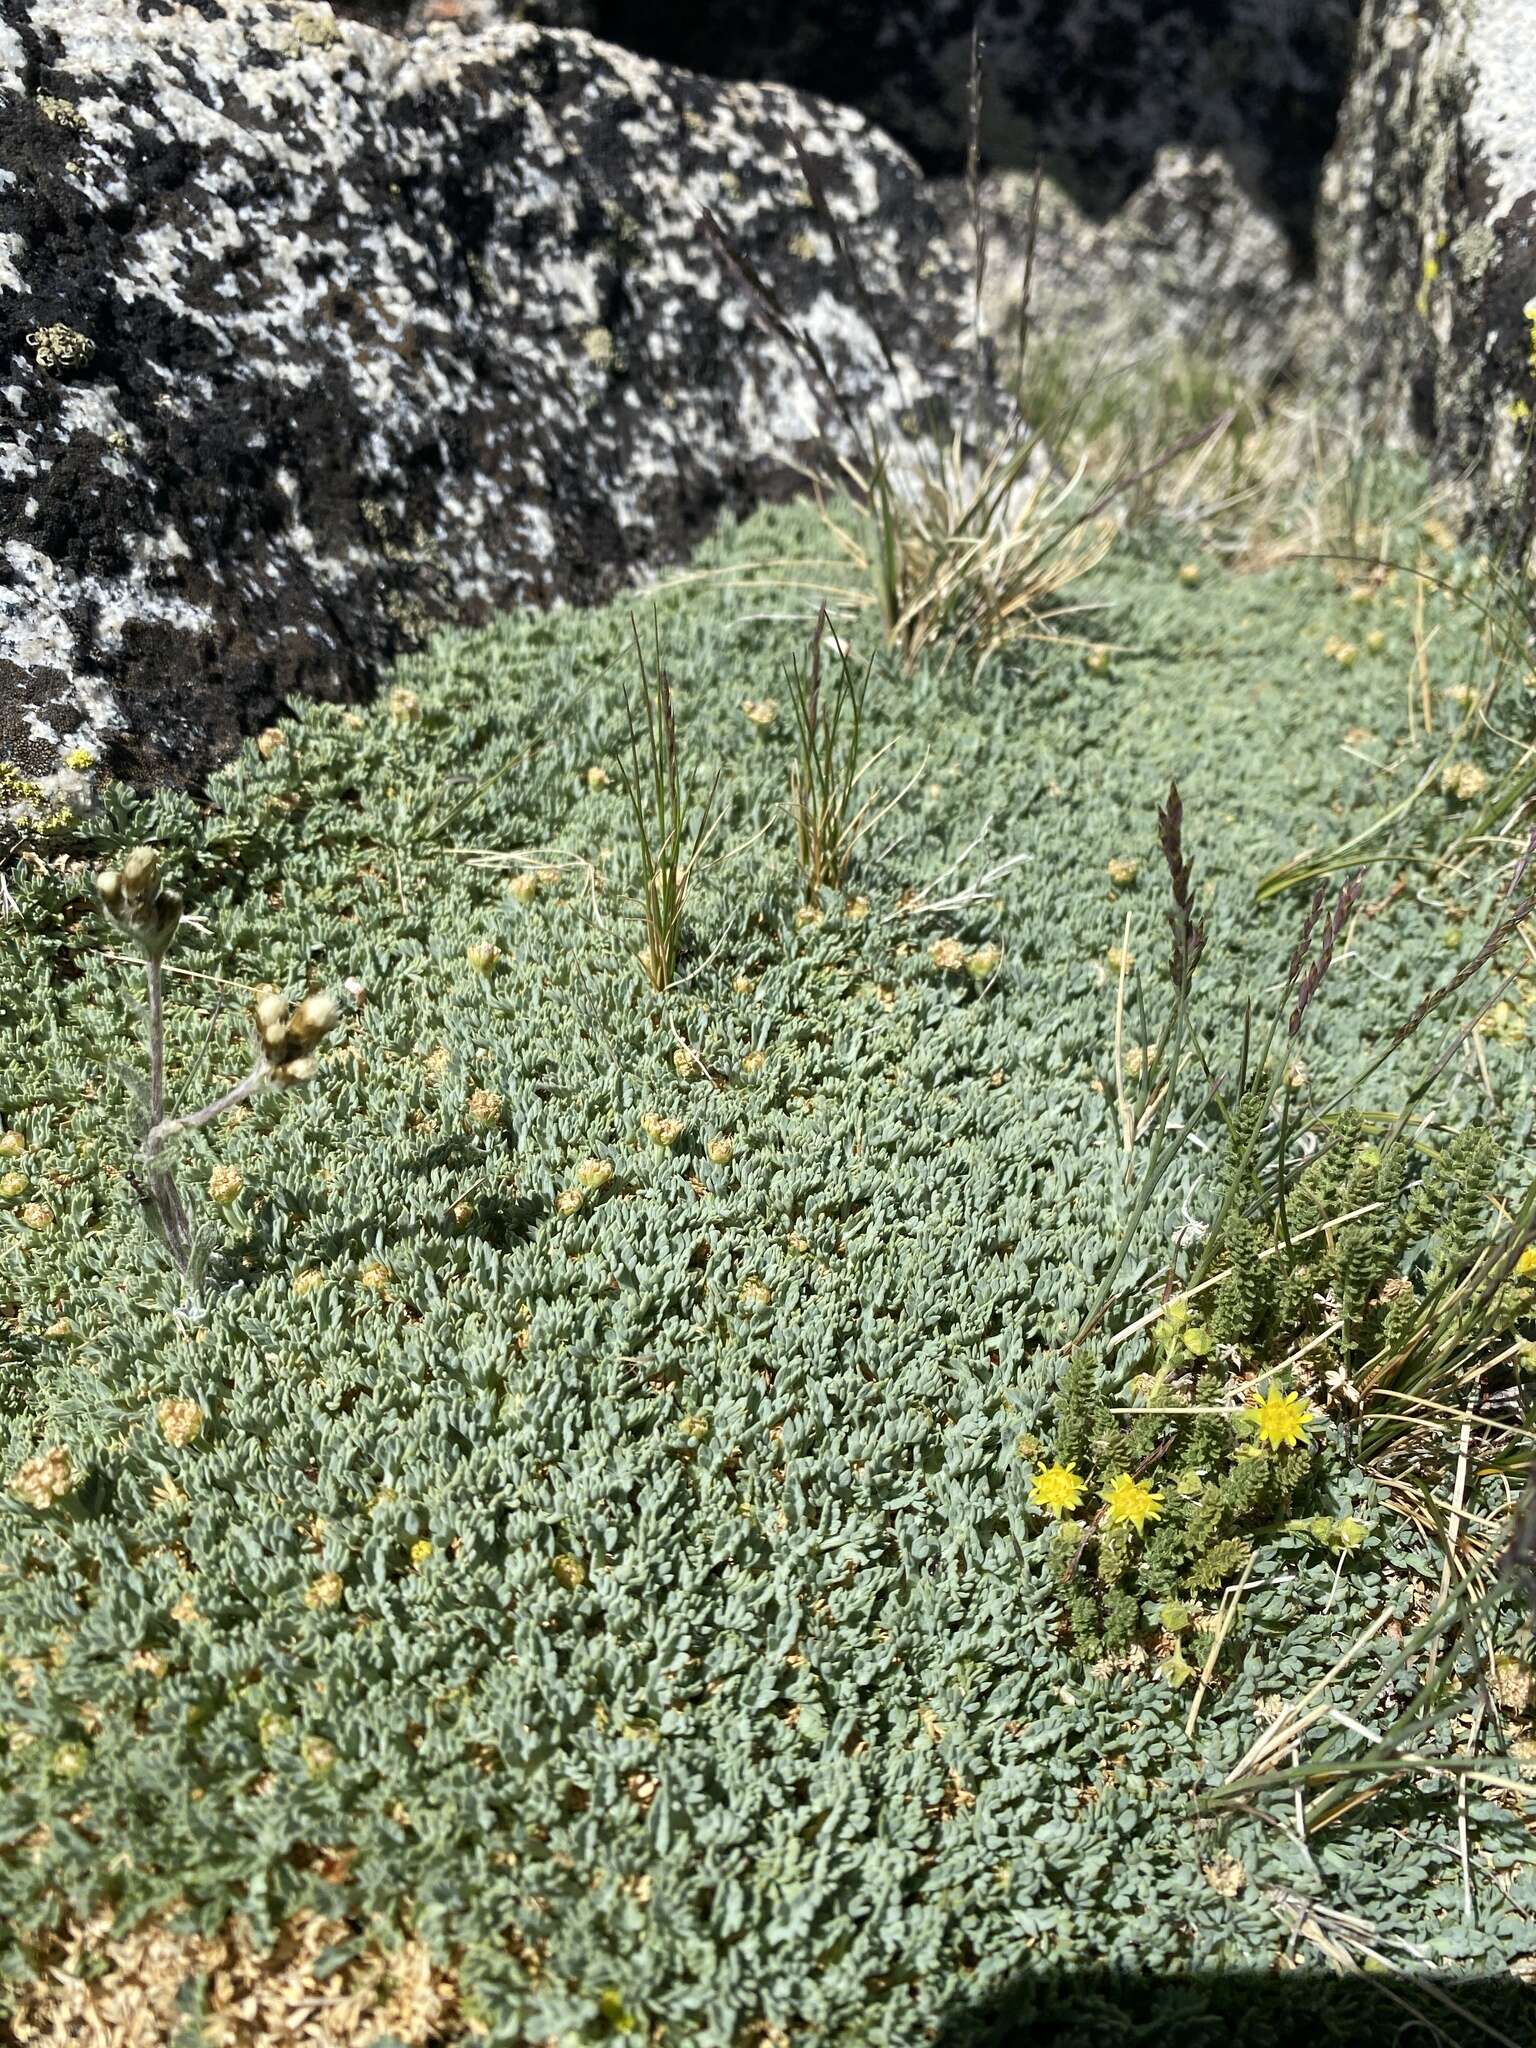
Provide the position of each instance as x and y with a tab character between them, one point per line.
639	1604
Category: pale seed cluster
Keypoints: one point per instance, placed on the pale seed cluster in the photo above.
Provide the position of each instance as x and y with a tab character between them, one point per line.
287	1038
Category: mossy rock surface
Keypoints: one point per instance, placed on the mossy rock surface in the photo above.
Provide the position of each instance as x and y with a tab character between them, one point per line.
692	1658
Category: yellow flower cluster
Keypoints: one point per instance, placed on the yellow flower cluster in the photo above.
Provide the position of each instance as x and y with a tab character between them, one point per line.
42	1480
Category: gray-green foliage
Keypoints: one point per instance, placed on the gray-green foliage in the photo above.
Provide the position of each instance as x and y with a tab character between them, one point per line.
797	1736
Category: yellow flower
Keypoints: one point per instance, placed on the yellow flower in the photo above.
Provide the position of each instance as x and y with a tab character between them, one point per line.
523	888
41	1480
1123	870
421	1550
720	1151
760	711
568	1201
663	1131
947	955
1525	1265
483	1108
593	1174
1189	574
180	1421
1279	1418
1057	1489
324	1591
569	1571
224	1183
12	1145
1463	779
1127	1501
483	955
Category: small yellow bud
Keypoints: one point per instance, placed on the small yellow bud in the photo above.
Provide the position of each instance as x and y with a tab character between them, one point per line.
754	1061
760	711
484	1108
13	1186
720	1151
743	984
1189	574
325	1591
568	1201
307	1281
1375	641
593	1174
1096	661
569	1571
754	1294
271	1013
1463	779
375	1278
185	1613
463	1214
663	1131
1346	654
269	741
314	1017
598	778
421	1550
80	759
694	1427
523	888
687	1062
41	1480
141	871
1123	871
224	1184
318	1755
983	963
483	956
12	1144
180	1421
404	705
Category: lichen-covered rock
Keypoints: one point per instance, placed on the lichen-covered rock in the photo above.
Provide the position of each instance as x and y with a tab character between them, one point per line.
311	335
1188	261
1428	244
1093	88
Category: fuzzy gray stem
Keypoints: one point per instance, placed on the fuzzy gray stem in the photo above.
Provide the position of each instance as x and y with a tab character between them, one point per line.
155	975
194	1120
